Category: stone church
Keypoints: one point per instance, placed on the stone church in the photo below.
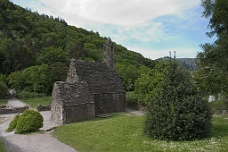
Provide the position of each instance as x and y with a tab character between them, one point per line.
91	89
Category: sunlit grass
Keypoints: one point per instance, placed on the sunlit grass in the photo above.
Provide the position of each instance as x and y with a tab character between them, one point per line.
124	133
34	102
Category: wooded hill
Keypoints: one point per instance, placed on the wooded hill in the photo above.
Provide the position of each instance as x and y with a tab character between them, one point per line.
35	51
28	39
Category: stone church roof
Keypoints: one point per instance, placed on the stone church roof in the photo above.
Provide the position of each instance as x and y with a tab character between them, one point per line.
99	77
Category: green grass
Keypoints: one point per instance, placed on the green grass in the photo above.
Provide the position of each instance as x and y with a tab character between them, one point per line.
2	148
124	133
34	102
3	102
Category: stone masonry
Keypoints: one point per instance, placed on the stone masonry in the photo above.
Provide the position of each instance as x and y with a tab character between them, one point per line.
91	88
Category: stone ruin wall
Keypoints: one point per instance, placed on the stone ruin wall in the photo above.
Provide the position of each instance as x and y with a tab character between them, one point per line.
108	102
71	103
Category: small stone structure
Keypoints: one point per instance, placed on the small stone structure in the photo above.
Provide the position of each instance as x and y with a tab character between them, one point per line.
91	88
44	108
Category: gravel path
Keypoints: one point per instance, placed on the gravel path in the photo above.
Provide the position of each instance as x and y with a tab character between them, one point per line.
37	142
14	103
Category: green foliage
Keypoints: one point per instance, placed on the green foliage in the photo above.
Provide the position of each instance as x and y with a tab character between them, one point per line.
51	55
177	110
13	123
128	74
212	75
3	90
33	79
130	96
148	81
29	121
3	78
29	40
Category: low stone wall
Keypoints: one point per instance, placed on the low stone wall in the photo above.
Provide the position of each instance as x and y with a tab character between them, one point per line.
2	106
44	108
14	110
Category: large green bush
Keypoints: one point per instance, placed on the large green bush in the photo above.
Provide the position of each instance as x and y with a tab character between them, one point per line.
29	121
177	111
13	123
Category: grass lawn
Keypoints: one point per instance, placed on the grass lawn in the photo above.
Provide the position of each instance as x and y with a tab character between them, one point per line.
34	102
2	148
3	102
124	133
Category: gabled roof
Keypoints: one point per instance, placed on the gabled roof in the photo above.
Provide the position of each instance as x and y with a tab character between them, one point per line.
98	76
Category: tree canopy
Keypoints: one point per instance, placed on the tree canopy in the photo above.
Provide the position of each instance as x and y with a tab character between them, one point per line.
213	65
30	40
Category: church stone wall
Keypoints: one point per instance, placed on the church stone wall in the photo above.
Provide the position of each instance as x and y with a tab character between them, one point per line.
108	102
80	112
71	103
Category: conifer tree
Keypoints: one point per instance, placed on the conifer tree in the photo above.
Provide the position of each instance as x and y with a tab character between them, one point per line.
177	111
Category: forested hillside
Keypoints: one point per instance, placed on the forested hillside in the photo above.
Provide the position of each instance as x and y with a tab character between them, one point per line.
188	63
34	46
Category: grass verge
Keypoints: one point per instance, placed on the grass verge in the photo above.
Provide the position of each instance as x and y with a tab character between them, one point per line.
34	102
125	133
3	102
2	148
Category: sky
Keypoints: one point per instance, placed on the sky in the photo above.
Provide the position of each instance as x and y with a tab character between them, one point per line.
152	28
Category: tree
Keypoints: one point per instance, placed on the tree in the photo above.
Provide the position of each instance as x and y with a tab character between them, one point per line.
148	81
176	110
215	56
128	74
37	79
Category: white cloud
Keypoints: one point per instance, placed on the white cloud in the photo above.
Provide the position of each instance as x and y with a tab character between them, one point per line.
150	27
118	12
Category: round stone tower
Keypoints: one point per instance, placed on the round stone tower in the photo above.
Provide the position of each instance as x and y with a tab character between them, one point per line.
109	53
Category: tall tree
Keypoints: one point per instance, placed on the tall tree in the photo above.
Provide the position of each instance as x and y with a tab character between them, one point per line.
214	58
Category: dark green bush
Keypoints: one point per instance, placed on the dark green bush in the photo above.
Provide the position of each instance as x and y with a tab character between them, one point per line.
4	90
177	111
13	123
29	121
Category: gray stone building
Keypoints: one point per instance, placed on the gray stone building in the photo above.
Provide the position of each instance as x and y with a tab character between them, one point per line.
91	88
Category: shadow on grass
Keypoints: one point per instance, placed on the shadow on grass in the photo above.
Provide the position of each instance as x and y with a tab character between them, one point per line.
220	127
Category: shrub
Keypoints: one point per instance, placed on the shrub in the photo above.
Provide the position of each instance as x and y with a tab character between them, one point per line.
13	123
177	111
4	89
29	121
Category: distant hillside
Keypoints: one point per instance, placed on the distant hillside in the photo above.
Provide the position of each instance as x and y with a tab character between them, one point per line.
28	39
188	63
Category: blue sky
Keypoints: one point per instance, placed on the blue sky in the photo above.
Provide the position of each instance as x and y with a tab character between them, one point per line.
150	27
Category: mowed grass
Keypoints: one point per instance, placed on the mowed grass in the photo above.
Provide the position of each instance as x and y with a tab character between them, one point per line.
34	102
124	133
